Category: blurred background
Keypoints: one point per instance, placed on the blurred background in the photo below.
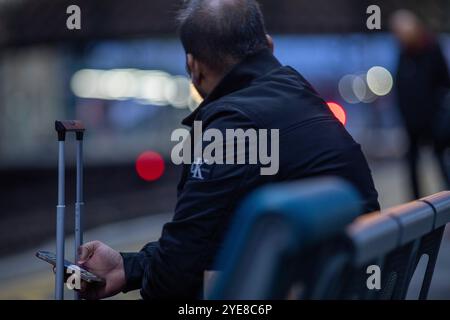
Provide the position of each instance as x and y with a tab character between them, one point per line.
123	74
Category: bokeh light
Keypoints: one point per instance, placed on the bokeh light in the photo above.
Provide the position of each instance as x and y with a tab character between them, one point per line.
338	112
154	87
346	89
379	80
196	98
150	166
353	88
359	88
85	83
362	89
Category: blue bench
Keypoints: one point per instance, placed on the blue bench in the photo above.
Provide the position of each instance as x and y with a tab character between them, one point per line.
304	240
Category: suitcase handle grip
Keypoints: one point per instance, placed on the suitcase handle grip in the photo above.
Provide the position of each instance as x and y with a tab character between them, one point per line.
69	126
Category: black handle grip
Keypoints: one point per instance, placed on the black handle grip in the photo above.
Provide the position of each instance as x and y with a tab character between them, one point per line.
69	126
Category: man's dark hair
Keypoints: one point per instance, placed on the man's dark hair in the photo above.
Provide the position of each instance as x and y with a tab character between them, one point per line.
221	33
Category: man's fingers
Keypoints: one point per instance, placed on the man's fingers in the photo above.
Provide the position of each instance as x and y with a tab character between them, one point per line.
83	287
83	292
88	291
86	251
88	295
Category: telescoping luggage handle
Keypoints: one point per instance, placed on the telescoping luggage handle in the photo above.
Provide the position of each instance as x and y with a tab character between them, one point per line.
62	128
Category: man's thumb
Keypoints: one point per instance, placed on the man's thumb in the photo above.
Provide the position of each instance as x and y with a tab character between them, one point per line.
86	251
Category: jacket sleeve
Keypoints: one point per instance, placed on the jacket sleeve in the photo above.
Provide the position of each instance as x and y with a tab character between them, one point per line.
134	264
174	266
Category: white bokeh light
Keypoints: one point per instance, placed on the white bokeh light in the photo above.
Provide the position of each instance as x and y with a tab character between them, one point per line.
362	90
379	80
178	92
359	88
85	83
154	87
346	89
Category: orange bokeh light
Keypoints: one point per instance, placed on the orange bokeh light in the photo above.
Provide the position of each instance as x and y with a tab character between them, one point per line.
338	111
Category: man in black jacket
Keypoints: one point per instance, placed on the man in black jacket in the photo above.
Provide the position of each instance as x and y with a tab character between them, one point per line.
230	60
422	82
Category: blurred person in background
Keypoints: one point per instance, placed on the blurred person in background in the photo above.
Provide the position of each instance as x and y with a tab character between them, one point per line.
230	59
422	83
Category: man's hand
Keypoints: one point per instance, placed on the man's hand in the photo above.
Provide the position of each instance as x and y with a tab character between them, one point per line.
106	263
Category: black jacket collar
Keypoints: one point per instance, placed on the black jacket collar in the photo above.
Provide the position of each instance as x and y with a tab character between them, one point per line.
238	78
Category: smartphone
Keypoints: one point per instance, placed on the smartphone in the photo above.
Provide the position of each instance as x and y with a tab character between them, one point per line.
84	274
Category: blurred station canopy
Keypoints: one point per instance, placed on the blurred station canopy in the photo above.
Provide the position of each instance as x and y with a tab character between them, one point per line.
24	22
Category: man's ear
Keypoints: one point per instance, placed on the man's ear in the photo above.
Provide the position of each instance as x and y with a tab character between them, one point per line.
270	41
194	68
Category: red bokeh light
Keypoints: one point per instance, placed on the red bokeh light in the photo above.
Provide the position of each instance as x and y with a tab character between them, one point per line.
338	111
150	166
